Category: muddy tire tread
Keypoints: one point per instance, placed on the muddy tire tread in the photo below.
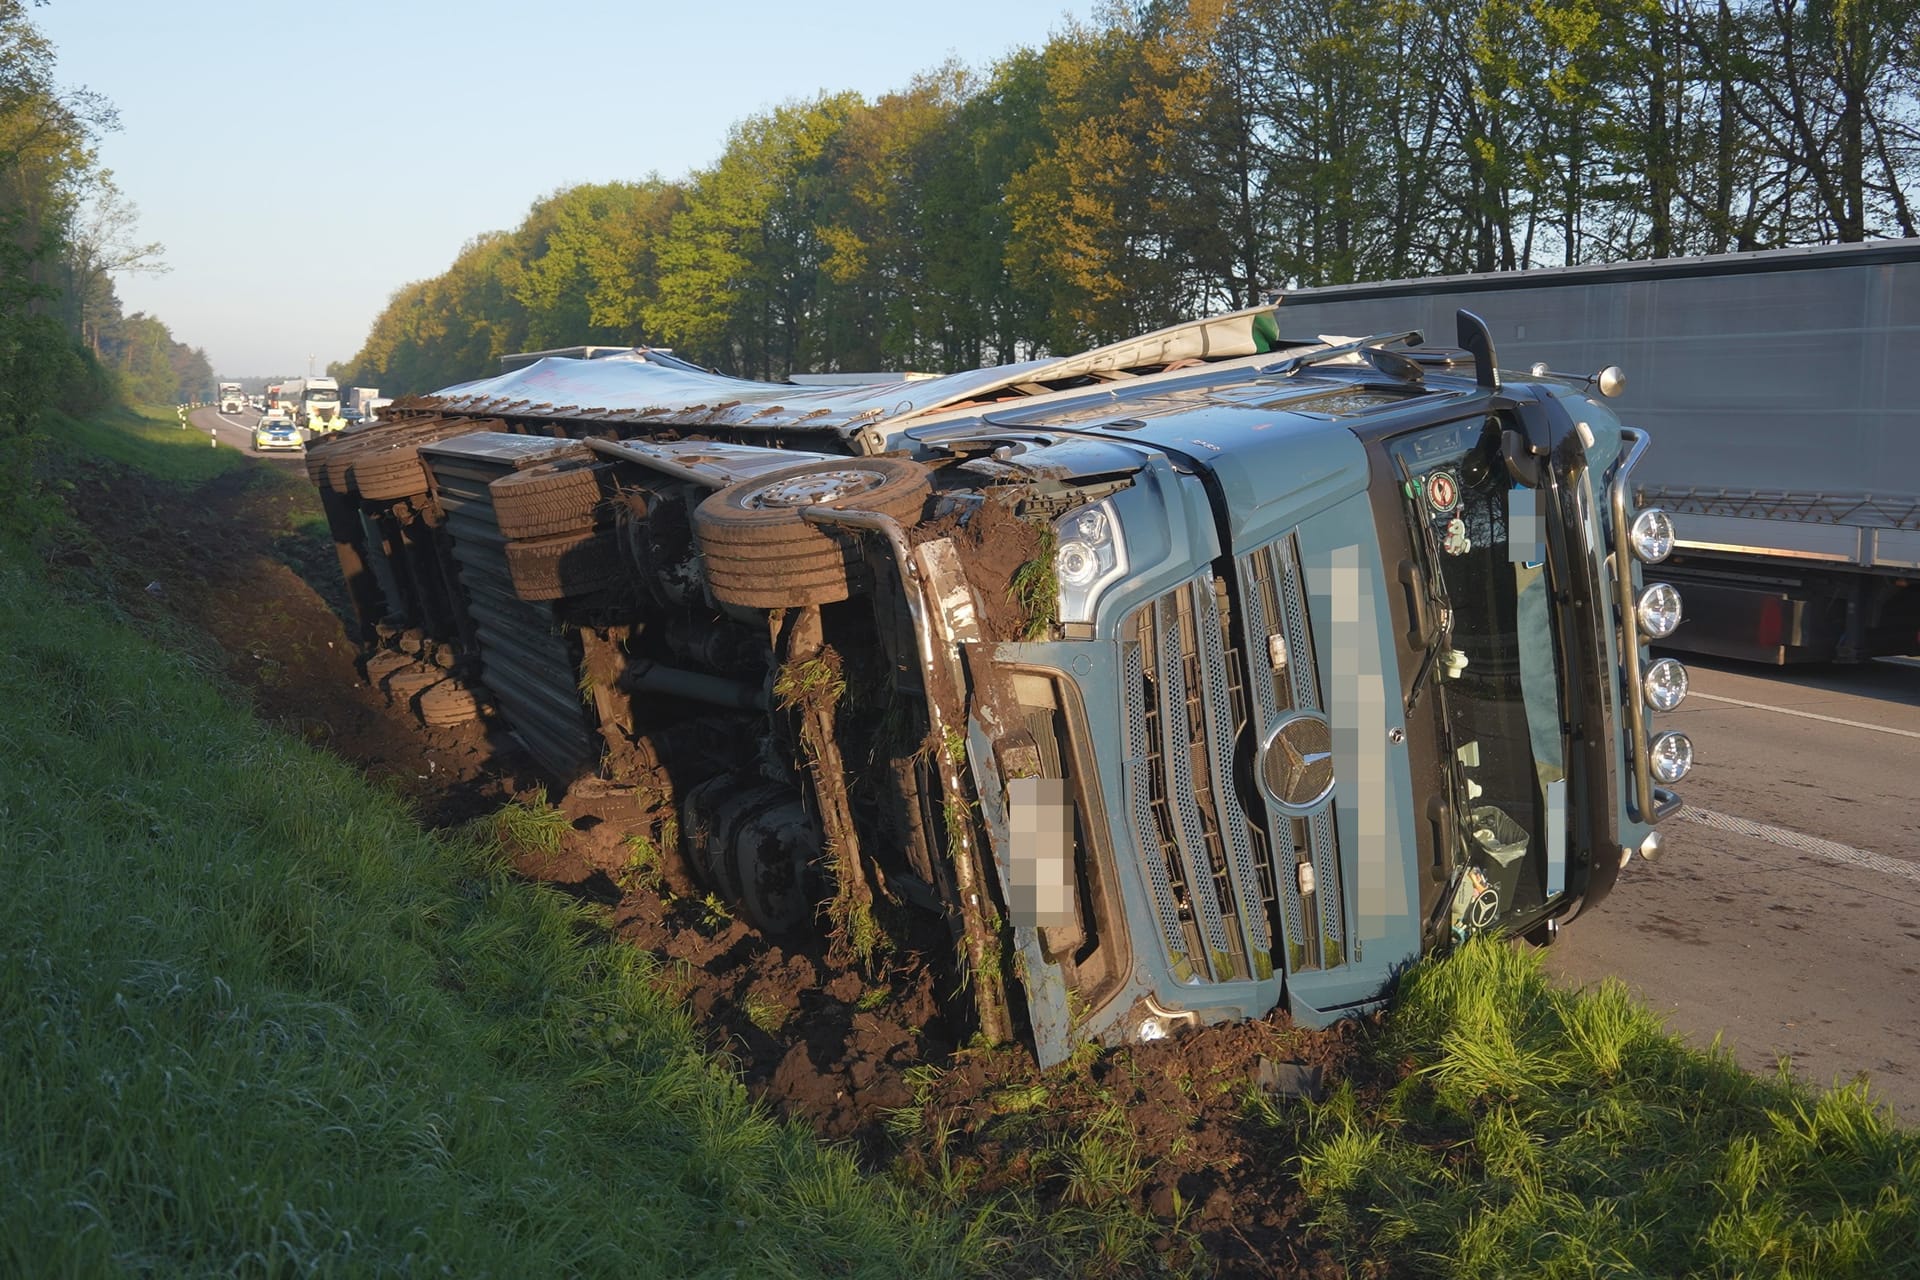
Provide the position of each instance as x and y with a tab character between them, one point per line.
567	565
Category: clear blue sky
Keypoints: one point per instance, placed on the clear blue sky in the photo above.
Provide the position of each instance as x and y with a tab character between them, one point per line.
420	125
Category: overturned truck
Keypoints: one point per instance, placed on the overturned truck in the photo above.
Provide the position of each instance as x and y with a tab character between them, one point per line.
1180	680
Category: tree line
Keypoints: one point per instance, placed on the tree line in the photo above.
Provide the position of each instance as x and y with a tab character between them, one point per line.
65	232
1175	157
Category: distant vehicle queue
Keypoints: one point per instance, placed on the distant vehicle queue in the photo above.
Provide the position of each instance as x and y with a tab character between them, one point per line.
292	413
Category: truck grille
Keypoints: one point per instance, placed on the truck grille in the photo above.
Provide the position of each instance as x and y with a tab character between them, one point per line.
1285	680
1207	865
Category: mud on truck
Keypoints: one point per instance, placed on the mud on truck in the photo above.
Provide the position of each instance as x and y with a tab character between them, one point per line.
1179	680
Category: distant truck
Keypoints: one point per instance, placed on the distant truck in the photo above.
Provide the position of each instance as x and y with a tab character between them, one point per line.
358	398
1788	437
314	404
230	398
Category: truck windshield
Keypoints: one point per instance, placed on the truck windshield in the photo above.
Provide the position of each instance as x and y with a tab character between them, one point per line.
1496	683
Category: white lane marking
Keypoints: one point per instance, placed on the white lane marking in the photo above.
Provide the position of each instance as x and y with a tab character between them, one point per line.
1831	850
1807	715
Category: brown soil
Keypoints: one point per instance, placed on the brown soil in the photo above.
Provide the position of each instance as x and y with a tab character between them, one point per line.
872	1062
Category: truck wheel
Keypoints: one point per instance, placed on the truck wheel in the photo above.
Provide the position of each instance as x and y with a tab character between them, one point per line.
562	496
760	553
383	466
570	564
331	457
448	703
393	470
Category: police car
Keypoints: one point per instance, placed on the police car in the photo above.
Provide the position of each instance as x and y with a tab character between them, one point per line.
276	431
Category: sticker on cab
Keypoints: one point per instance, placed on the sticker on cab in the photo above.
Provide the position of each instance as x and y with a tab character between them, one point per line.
1457	543
1443	492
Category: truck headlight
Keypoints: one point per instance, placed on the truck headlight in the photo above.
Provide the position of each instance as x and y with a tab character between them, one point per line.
1670	755
1658	610
1665	684
1652	535
1089	554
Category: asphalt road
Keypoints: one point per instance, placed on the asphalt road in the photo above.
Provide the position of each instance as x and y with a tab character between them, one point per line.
1785	914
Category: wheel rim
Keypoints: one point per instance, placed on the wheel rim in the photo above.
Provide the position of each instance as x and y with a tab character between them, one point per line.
814	488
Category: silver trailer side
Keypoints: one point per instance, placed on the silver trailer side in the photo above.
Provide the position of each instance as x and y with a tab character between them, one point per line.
1787	454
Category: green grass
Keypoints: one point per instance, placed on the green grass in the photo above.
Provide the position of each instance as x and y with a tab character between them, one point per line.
1036	589
1551	1133
809	682
531	825
150	439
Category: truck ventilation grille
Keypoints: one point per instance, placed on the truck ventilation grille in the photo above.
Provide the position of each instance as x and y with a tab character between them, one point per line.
1286	681
1207	865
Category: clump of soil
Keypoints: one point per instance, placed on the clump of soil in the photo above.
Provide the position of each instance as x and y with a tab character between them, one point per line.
880	1062
995	544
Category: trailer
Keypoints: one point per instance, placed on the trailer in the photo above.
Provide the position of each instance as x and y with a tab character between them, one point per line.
1788	454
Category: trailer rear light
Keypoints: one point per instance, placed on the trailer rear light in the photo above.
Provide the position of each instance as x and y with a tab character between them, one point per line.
1671	756
1665	685
1658	610
1652	535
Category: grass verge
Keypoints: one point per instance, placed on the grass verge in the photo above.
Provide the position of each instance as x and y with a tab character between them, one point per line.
1550	1133
151	439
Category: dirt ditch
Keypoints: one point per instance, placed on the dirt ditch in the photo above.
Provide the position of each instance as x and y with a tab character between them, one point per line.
867	1057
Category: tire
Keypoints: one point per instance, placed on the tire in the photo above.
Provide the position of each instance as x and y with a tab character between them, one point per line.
346	450
448	703
384	662
386	474
570	564
406	684
548	498
391	469
760	553
315	457
784	587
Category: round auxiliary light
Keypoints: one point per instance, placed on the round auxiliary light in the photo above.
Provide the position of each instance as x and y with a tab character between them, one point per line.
1670	755
1652	535
1658	610
1665	684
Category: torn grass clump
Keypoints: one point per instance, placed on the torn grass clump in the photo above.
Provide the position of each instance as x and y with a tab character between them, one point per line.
1036	590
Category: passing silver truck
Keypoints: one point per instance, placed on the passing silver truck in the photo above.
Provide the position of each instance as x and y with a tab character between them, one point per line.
1789	438
1180	680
